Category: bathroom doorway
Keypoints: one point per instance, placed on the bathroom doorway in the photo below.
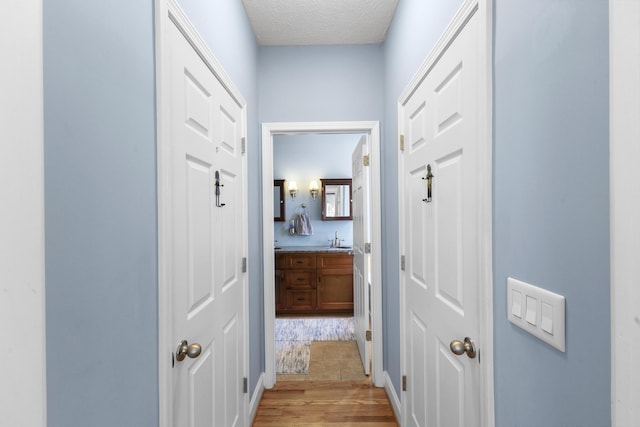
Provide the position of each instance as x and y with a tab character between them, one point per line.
270	133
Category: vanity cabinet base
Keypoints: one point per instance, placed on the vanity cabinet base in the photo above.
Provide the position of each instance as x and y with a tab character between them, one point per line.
314	283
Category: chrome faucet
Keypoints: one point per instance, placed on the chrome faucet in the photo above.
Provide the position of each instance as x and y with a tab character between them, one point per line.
336	241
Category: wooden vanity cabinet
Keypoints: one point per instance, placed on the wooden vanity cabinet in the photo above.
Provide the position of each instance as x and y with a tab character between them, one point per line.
312	282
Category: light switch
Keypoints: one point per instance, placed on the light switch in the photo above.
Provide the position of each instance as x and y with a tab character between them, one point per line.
547	318
537	311
516	303
531	310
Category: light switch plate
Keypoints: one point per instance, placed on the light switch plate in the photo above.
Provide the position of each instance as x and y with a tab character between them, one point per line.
544	312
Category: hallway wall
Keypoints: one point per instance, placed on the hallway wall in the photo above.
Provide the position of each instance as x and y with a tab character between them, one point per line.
551	218
100	214
551	206
100	202
320	83
550	157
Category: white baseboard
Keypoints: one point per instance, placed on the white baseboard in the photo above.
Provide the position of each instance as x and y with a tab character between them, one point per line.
393	396
255	398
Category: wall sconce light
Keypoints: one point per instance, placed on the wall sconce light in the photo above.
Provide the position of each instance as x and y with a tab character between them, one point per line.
293	188
314	189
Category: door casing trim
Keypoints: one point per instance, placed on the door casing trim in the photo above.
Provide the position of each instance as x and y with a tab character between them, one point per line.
290	128
624	105
485	175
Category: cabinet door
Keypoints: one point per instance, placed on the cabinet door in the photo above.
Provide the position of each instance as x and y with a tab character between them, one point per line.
335	289
279	286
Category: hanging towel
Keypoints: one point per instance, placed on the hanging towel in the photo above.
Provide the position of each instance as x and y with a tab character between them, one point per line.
303	225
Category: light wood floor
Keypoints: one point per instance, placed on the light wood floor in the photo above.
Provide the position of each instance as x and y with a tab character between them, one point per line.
335	392
322	403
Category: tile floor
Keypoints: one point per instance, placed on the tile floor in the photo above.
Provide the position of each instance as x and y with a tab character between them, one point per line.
331	361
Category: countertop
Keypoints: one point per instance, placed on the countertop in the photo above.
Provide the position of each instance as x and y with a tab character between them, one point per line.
325	249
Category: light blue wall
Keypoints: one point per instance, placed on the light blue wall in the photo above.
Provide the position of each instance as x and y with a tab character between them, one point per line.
100	201
320	83
415	28
550	189
302	158
100	214
551	206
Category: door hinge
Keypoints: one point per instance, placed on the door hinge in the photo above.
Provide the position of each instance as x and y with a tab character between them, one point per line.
404	383
367	335
367	248
244	145
401	142
365	160
245	385
244	264
402	263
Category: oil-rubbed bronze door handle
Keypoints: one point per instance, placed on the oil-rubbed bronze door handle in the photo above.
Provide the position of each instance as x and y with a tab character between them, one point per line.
429	179
218	185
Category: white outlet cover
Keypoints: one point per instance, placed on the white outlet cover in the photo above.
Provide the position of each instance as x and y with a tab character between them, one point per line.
549	322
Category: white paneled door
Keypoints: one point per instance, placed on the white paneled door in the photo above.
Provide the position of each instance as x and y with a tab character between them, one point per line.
440	233
361	256
207	197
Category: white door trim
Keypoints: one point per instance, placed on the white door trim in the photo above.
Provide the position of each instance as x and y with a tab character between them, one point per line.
624	101
168	12
485	175
22	265
268	132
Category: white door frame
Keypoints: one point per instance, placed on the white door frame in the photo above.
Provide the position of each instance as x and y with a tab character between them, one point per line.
624	60
22	305
289	128
485	180
168	12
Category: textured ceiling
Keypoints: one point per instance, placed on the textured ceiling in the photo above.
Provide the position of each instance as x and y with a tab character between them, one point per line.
319	22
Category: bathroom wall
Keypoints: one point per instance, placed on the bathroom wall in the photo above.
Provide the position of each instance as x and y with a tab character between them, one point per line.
303	158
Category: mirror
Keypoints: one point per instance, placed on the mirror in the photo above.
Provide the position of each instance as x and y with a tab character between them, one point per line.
278	199
336	199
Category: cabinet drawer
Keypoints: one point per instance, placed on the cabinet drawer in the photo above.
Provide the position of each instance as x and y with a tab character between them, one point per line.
298	299
335	261
300	279
302	260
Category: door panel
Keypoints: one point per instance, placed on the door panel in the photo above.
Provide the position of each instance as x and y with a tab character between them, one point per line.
199	250
207	241
201	380
441	238
361	259
232	374
418	363
450	382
